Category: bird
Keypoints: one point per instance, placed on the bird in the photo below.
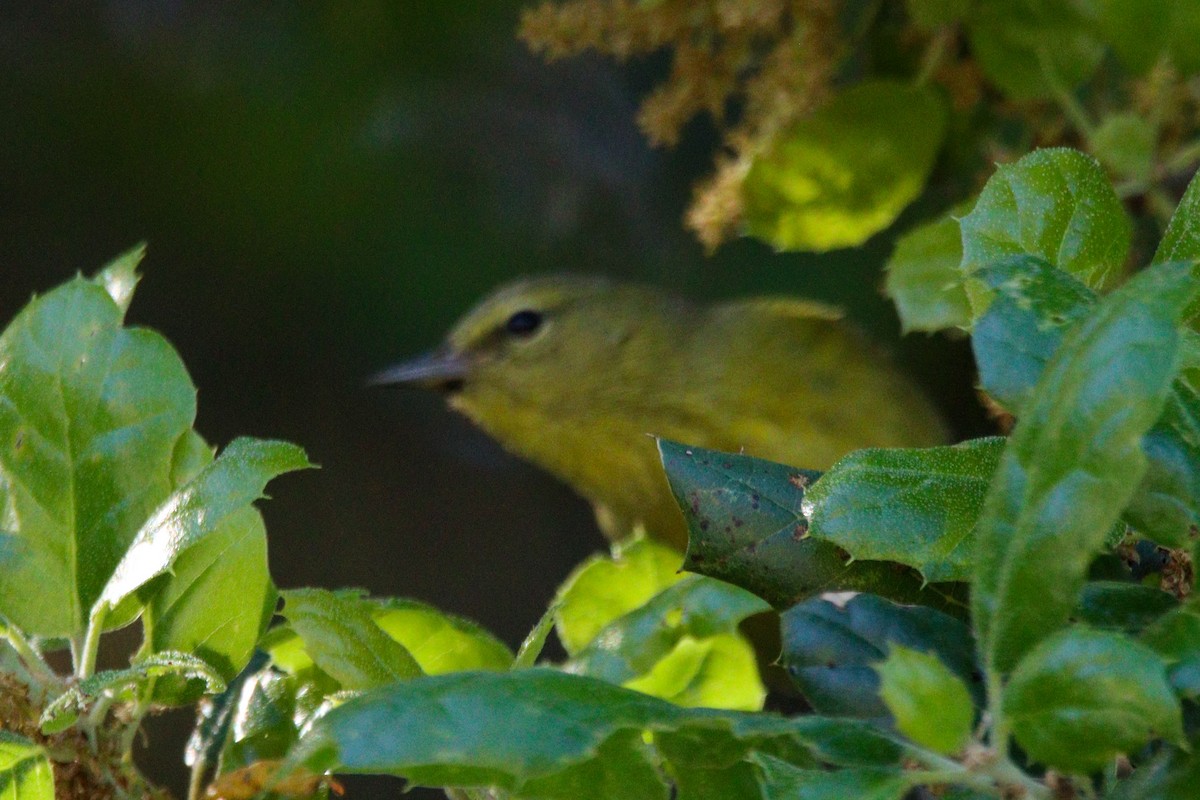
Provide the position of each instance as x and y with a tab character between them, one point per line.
579	374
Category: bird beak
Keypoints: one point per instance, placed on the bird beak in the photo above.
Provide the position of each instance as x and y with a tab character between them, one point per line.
437	369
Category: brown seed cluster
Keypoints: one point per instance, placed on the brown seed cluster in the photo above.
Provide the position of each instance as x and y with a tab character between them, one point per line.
754	66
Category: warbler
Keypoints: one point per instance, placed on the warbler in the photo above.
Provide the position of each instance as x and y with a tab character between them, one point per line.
577	374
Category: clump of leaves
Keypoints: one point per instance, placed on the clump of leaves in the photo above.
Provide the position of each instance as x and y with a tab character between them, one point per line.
834	113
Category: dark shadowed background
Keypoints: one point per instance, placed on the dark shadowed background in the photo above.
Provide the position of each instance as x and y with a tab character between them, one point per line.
325	187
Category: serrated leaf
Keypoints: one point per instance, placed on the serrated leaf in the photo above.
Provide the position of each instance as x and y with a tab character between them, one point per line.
829	649
1028	47
929	703
120	277
1181	240
341	636
747	527
1074	462
910	506
1082	697
90	413
603	588
780	780
25	772
846	171
224	487
923	278
534	731
124	684
1055	204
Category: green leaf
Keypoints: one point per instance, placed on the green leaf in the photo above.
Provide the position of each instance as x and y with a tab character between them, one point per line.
604	588
1027	48
266	717
932	14
923	278
1181	241
198	508
1184	44
90	413
1166	506
846	171
747	528
1074	462
829	649
1124	607
781	780
535	731
120	277
25	772
1170	775
1176	638
341	636
1055	204
1083	697
1137	30
916	507
218	598
1034	305
930	703
126	684
713	672
440	642
1126	144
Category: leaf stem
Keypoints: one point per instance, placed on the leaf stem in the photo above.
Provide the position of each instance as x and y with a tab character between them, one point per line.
29	654
1070	105
85	663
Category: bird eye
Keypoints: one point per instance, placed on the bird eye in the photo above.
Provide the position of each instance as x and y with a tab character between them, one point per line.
523	323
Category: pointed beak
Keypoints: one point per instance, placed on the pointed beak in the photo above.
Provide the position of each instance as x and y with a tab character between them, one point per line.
438	369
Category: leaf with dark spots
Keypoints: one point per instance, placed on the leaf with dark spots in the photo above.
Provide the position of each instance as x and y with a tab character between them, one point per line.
770	553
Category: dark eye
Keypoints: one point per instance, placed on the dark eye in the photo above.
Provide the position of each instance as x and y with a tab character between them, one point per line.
523	323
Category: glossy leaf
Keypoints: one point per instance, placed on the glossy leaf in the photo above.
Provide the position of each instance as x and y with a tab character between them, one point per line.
916	507
120	277
228	485
25	772
604	588
846	171
924	280
1073	462
535	732
830	650
747	527
929	703
1057	205
341	636
1083	697
90	413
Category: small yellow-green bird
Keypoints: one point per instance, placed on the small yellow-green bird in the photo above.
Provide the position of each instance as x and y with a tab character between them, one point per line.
576	374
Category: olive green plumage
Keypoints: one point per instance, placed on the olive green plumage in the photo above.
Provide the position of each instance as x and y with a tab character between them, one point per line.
577	374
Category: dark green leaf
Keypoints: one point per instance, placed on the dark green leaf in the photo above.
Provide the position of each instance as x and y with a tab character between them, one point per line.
1166	506
924	280
90	413
846	171
223	488
1176	638
1170	775
1082	697
916	507
1136	30
1125	607
25	772
829	649
1055	204
780	780
931	14
268	720
929	703
1073	462
341	636
604	588
747	528
1028	47
1034	305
